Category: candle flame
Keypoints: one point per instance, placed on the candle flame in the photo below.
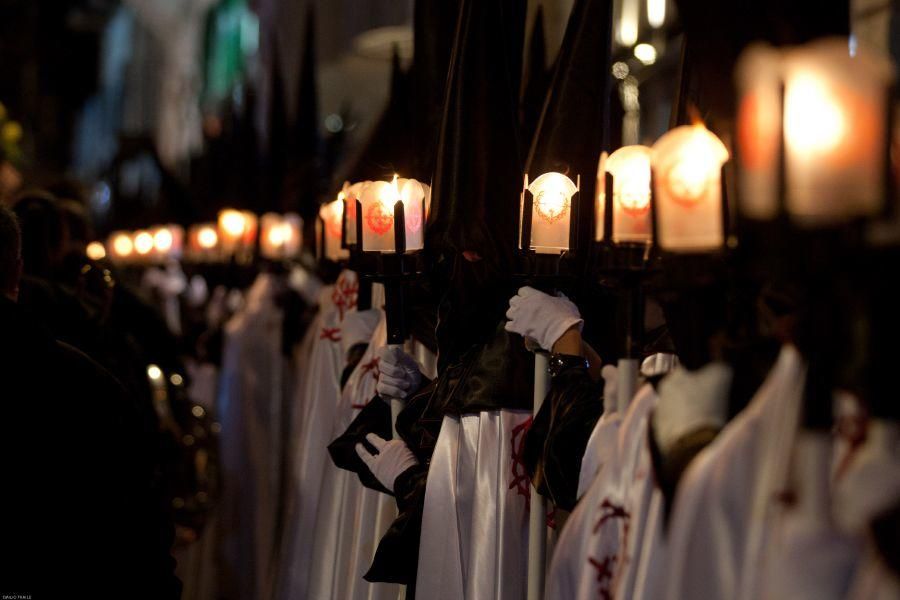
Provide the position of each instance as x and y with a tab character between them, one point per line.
552	196
813	119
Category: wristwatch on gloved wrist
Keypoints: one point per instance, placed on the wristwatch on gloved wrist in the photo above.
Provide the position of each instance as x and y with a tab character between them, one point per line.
564	362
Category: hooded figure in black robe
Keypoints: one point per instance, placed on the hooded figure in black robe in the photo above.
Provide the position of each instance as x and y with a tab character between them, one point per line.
571	134
471	238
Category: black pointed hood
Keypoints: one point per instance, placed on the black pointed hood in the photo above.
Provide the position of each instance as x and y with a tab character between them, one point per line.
389	148
477	176
277	147
305	173
536	78
574	125
475	195
716	32
434	26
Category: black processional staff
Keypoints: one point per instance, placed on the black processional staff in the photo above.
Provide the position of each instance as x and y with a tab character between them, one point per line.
389	232
349	195
548	232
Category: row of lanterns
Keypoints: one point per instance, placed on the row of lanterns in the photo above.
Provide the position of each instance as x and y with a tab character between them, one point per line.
813	143
233	236
679	177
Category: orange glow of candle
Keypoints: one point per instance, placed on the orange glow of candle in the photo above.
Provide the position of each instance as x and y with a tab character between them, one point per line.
96	251
630	168
687	163
143	242
551	213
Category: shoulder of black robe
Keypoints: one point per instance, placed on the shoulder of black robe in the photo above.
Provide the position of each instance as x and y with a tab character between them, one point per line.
85	508
419	424
558	436
497	375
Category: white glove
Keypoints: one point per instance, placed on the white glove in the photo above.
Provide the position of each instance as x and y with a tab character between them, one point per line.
357	327
392	459
541	317
399	373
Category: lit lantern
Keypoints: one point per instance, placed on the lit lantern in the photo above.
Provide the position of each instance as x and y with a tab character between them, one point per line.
687	166
207	238
832	118
168	241
203	241
381	207
96	251
237	232
547	213
280	236
231	227
329	228
629	167
122	246
143	243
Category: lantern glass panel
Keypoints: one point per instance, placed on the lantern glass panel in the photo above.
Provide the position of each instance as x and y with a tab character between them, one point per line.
687	165
331	216
412	193
551	213
834	131
630	168
759	118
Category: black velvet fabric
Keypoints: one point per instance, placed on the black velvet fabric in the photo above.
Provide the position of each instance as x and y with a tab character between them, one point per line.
493	376
555	443
478	168
574	124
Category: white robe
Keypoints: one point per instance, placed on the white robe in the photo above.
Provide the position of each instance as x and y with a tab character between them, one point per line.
253	380
352	518
727	500
570	562
314	411
602	535
474	542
